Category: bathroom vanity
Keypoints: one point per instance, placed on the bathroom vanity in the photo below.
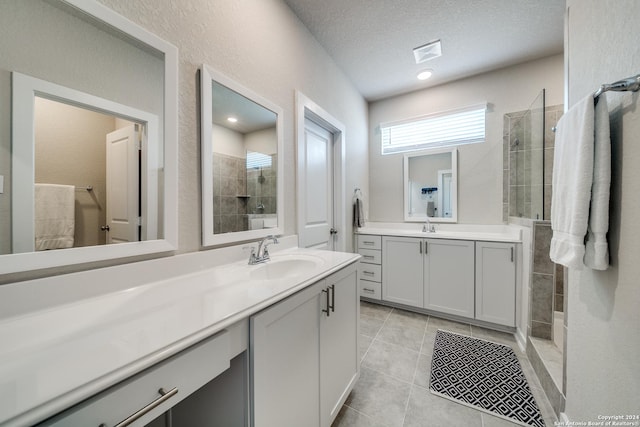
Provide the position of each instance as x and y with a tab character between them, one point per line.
192	337
468	275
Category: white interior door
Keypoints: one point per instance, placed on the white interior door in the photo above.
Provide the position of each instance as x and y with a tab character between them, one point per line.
123	185
317	225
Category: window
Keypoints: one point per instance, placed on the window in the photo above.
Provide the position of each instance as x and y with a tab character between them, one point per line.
454	127
258	160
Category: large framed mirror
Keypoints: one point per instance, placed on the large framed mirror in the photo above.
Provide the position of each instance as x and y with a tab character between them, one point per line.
431	186
242	186
89	118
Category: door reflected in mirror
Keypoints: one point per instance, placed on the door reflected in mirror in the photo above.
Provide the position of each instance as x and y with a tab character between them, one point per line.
241	141
78	153
430	188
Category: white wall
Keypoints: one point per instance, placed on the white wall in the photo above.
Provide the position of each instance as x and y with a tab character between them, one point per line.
227	141
603	341
262	45
479	165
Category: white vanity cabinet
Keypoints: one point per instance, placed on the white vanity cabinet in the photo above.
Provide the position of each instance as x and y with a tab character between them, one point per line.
140	399
449	276
370	266
304	354
468	279
436	274
403	271
495	283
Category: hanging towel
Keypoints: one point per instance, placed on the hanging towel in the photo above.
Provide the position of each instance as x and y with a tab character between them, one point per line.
581	181
597	250
358	213
572	180
54	216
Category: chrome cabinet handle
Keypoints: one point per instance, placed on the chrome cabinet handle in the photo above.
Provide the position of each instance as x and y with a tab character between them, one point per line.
426	248
368	256
333	297
511	254
164	396
369	273
420	246
328	310
368	243
368	290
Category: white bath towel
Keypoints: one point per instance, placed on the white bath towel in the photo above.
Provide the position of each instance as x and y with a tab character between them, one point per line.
572	181
54	216
597	250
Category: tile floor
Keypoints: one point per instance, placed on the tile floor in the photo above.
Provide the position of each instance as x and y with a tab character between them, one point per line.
393	390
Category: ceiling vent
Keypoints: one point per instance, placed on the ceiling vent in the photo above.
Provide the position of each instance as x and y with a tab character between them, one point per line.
428	51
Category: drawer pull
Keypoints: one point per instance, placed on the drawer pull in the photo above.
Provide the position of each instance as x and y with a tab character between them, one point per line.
165	395
369	243
369	273
368	256
368	290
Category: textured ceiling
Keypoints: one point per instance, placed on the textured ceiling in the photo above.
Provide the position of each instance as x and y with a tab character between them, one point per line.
373	40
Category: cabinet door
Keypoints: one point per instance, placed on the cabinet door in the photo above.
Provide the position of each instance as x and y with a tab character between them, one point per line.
285	353
402	270
339	365
449	276
496	283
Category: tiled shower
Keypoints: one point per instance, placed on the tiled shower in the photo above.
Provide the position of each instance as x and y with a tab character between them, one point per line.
528	152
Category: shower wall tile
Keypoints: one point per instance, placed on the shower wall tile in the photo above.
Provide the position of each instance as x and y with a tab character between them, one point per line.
541	330
542	298
548	165
558	302
548	189
541	244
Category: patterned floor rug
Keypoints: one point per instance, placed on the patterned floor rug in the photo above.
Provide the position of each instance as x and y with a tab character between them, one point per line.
484	375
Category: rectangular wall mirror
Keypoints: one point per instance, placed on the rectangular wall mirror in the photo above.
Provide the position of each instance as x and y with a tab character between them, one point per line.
430	186
88	118
242	188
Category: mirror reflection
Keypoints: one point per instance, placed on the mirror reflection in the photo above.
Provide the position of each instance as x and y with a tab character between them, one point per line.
72	164
242	188
430	186
245	145
62	144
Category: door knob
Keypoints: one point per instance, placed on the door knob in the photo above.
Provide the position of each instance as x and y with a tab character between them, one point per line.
333	231
105	228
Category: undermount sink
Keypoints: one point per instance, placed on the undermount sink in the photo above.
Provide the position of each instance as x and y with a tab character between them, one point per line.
285	266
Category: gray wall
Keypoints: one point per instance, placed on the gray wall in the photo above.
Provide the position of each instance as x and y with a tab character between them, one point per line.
603	342
479	165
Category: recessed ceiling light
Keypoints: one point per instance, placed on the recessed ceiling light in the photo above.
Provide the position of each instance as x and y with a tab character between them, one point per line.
428	51
424	74
232	119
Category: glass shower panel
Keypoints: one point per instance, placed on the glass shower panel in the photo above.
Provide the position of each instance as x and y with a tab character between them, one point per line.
526	162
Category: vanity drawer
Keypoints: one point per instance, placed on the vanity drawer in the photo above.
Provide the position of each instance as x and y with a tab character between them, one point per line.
370	272
179	376
370	289
366	241
370	256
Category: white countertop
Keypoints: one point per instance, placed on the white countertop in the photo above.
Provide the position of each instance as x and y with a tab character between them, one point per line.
53	357
486	233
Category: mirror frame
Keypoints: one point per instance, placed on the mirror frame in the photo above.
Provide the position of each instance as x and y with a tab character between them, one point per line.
107	18
454	192
207	76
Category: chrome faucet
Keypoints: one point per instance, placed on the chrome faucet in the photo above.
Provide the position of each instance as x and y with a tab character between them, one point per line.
428	227
262	254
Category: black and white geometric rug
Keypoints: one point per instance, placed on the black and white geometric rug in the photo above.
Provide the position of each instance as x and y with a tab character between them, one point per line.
484	375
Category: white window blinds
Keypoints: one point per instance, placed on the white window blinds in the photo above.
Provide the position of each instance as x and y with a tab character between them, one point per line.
456	127
258	160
